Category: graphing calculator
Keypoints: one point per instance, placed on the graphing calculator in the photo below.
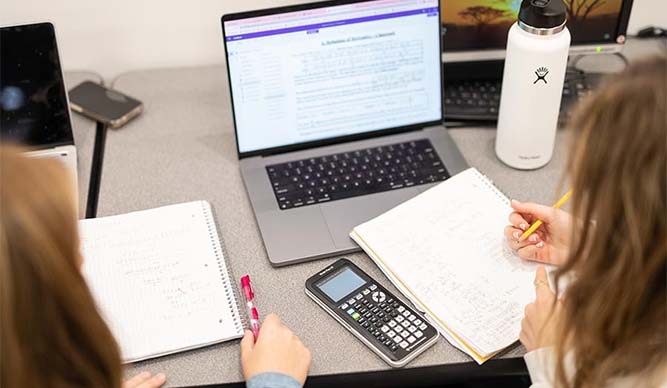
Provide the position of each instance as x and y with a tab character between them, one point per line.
392	329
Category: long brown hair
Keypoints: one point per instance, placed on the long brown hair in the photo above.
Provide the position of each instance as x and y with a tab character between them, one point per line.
615	307
52	334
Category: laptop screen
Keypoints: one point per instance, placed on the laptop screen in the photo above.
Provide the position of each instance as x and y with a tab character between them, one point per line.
33	103
334	71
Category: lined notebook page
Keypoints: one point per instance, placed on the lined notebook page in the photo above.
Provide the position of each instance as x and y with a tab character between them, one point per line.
446	250
160	279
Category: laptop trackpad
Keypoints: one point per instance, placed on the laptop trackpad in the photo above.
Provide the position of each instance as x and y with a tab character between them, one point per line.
342	216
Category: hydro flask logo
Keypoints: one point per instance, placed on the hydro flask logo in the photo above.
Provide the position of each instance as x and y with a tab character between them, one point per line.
541	74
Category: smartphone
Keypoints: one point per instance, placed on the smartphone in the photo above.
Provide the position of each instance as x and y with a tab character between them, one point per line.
102	104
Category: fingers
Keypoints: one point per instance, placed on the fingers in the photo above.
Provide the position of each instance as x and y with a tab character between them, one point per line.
544	213
136	380
145	380
154	382
247	344
534	252
513	234
271	320
518	221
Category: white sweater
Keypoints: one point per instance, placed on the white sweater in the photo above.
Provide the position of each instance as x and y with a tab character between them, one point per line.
541	365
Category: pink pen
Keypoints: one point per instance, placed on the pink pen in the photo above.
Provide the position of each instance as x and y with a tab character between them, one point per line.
253	315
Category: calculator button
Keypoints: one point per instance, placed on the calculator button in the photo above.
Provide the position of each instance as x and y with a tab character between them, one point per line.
375	310
398	329
344	306
356	316
376	334
394	314
359	296
365	325
370	305
418	334
411	318
417	322
385	328
412	329
380	314
398	339
372	287
388	343
405	324
364	301
405	334
383	305
395	305
423	326
392	323
390	300
392	334
394	348
379	323
363	310
373	320
401	309
367	315
399	319
412	339
351	301
350	311
382	338
358	306
361	320
366	291
387	310
378	297
404	344
406	313
386	319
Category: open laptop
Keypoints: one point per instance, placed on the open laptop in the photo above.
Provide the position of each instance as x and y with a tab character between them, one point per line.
34	109
338	117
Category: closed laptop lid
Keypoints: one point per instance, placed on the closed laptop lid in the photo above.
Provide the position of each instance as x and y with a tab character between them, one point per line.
323	73
33	100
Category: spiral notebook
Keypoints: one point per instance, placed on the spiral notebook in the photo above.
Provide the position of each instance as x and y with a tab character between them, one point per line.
445	251
160	279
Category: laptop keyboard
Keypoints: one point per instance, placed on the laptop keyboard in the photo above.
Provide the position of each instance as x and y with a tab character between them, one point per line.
351	174
480	100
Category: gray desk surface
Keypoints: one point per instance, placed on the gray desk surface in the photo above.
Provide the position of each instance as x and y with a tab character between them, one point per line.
182	149
84	139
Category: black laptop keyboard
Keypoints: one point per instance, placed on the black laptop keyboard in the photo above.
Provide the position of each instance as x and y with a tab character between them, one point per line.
480	100
351	174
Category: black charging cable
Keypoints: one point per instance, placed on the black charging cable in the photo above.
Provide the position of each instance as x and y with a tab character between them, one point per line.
96	170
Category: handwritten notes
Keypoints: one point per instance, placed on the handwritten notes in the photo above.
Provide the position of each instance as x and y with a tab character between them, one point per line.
446	251
159	279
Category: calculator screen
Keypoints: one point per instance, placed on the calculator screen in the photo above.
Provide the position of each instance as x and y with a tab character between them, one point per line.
341	284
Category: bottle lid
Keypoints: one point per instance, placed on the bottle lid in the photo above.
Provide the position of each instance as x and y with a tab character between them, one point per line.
542	15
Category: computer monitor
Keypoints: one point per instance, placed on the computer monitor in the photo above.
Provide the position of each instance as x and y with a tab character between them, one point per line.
476	30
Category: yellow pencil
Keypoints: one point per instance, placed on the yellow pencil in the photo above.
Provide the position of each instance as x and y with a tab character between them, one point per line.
539	223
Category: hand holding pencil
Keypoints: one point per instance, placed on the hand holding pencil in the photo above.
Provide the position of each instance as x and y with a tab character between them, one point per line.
540	233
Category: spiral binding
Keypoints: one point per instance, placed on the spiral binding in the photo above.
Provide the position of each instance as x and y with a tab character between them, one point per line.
488	182
231	294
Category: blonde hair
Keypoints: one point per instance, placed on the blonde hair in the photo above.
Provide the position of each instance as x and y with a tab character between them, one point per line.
615	309
52	334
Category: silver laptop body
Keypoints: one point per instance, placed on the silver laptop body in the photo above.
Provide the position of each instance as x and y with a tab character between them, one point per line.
325	79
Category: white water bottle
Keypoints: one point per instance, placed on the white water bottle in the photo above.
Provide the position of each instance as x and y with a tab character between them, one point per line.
537	51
